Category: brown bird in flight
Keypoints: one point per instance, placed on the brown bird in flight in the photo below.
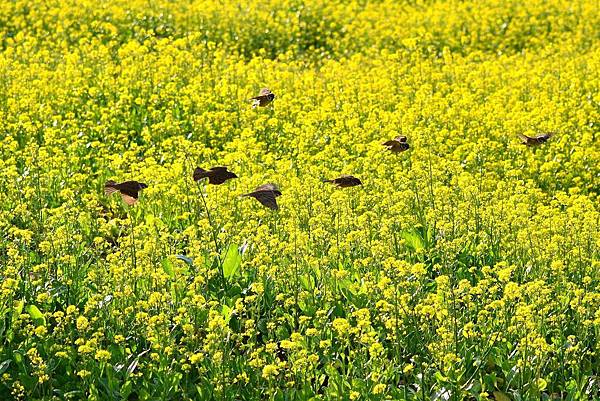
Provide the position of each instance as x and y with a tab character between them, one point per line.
263	99
397	145
216	175
345	181
128	190
535	140
266	195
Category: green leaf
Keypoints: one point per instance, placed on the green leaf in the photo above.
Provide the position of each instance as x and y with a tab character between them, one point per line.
149	219
307	308
126	389
232	262
501	396
168	267
307	282
541	384
204	392
440	377
490	380
413	239
226	312
36	315
346	284
18	309
174	291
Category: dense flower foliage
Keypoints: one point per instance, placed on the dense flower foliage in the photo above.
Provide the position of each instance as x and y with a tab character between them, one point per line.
465	268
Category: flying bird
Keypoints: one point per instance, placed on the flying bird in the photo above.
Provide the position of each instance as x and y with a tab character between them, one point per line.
128	190
264	98
345	181
397	145
535	140
266	195
216	175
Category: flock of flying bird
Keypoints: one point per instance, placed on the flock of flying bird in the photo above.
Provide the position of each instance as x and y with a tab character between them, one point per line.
266	194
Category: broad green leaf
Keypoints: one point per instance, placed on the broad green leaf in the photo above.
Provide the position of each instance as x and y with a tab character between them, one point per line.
36	315
440	377
226	312
126	389
204	392
174	291
307	282
306	308
501	396
149	219
413	239
232	262
168	267
18	309
346	284
490	380
428	236
541	384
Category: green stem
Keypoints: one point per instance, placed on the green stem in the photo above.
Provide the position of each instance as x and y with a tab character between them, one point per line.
133	255
214	236
133	252
296	286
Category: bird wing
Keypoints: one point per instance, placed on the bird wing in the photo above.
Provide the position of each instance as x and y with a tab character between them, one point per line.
218	169
221	177
199	173
267	187
130	188
351	180
267	198
109	187
346	179
545	136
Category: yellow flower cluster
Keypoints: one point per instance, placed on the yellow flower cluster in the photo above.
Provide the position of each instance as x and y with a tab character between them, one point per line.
464	267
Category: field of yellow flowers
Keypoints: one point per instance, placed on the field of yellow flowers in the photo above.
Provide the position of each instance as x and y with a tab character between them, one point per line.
465	268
